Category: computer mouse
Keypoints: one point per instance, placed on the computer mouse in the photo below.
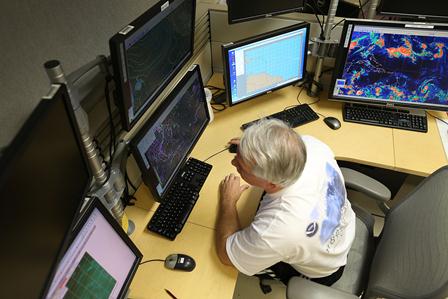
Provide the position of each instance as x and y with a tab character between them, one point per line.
180	261
332	122
233	148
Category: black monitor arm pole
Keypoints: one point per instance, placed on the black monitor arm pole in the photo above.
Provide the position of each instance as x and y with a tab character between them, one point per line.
108	186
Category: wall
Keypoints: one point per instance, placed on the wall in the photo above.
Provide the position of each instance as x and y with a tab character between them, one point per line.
74	32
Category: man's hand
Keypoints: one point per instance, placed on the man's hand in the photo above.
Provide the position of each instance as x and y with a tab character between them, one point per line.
228	221
230	190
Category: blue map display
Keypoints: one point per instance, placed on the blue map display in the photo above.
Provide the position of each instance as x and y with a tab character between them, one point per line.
271	59
266	64
396	67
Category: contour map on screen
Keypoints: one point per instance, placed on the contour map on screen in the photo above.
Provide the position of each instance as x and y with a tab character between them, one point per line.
396	67
154	57
174	135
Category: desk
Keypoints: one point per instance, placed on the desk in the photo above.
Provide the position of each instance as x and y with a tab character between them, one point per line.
410	152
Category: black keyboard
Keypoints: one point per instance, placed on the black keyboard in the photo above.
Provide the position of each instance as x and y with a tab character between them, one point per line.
385	117
177	204
295	116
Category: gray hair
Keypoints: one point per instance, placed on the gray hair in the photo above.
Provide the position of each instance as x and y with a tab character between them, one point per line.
274	151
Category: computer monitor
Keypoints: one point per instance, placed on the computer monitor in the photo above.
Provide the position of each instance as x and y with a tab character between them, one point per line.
148	53
417	9
393	64
240	11
43	181
162	146
100	261
266	62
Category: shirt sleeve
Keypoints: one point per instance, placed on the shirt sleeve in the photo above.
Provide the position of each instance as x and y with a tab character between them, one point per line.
249	252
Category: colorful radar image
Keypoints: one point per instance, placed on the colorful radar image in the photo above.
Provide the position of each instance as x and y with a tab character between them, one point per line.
396	67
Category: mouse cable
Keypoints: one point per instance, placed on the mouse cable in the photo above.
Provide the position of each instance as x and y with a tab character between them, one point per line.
302	86
436	117
154	260
225	149
300	103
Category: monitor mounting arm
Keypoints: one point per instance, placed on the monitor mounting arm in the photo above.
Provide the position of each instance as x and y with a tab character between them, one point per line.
322	47
108	186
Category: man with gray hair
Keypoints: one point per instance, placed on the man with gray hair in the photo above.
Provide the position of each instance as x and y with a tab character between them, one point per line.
304	225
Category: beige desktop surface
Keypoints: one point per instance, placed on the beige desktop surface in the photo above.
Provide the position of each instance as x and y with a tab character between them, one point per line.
406	151
369	145
210	279
417	153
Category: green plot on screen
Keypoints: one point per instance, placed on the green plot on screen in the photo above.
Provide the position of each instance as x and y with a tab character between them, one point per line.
89	280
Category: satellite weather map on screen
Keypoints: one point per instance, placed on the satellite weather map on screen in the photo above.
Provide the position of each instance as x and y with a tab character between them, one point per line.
395	65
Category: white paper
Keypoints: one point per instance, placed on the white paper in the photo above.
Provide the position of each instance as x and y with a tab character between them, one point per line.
443	132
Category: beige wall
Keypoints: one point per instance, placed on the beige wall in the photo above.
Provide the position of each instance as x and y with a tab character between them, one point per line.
32	32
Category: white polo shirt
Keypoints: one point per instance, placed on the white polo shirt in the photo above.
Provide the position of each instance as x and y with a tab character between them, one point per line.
309	225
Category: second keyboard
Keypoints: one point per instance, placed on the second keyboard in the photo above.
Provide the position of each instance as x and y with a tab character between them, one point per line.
295	116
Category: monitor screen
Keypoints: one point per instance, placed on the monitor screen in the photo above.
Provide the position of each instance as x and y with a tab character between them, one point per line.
148	53
266	62
415	8
43	180
239	10
100	261
392	63
163	144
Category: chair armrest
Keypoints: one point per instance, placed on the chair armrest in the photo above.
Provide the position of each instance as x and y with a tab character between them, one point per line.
360	182
300	288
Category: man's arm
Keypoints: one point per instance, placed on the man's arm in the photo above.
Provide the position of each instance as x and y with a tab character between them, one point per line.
228	221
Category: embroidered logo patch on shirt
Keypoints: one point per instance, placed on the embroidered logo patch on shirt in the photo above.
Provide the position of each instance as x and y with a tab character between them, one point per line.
312	229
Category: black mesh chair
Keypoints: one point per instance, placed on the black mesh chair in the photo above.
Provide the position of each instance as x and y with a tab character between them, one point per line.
409	260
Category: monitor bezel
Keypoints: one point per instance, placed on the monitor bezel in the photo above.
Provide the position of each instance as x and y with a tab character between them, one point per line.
119	61
58	92
418	17
93	204
342	54
228	47
232	20
148	175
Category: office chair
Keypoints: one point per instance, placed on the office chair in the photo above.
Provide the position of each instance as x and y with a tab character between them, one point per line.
410	259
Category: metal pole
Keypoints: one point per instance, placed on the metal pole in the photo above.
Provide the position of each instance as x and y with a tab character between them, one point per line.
372	9
109	187
323	47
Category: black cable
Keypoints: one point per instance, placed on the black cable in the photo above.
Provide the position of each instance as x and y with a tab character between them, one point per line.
436	117
225	149
128	180
300	92
213	87
365	3
323	19
111	120
222	107
335	25
362	10
317	17
154	260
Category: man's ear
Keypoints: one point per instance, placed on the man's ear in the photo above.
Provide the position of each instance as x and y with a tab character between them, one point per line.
271	187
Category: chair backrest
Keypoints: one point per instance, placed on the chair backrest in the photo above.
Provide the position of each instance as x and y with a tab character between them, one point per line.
411	260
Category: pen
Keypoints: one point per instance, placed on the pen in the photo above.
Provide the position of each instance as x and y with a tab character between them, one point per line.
171	294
